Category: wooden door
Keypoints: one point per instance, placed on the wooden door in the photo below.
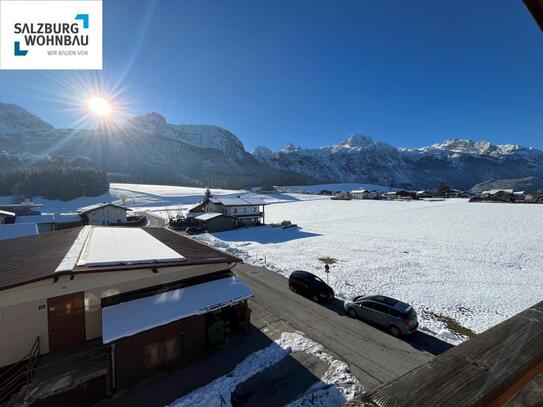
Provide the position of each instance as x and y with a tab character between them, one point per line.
66	318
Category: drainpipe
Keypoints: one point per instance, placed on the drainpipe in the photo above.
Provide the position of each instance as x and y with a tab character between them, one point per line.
113	369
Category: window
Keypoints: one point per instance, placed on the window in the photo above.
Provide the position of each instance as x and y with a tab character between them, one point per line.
368	305
244	210
381	308
254	209
235	210
395	313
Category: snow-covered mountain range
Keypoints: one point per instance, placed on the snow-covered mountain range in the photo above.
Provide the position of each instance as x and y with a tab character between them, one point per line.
148	149
461	163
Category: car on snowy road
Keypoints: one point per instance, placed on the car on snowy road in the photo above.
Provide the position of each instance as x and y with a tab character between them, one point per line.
398	317
308	284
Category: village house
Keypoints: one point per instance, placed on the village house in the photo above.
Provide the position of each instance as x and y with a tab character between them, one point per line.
19	209
246	211
504	195
7	217
103	214
136	300
364	194
402	195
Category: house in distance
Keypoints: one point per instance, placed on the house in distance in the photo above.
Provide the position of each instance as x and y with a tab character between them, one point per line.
103	214
244	211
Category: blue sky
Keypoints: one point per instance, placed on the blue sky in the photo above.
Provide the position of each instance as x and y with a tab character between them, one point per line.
314	72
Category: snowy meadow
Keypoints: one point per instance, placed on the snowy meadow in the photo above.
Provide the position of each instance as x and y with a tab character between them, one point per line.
463	266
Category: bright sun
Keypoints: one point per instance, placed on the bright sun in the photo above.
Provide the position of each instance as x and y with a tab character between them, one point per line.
100	106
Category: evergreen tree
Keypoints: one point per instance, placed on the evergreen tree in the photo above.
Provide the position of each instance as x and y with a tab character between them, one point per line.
443	188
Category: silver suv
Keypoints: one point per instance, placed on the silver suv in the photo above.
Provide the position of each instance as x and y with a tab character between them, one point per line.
397	317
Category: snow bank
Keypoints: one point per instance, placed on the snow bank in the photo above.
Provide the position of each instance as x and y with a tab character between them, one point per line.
337	386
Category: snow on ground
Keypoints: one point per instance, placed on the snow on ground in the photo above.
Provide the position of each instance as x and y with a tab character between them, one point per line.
315	189
337	386
464	266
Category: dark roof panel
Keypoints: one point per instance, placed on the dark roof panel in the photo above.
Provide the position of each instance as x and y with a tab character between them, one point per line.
32	258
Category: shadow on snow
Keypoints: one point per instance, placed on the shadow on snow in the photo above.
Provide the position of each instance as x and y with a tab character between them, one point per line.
263	234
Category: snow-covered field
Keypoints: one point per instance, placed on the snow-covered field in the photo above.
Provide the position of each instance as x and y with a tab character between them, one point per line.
463	266
162	200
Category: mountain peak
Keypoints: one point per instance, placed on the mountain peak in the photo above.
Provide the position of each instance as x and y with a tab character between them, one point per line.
15	118
475	147
358	140
261	151
149	121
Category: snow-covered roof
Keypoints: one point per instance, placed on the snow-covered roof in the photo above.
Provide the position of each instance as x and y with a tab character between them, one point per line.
67	217
6	213
208	215
496	191
14	230
91	208
106	246
131	317
71	258
359	191
237	201
39	219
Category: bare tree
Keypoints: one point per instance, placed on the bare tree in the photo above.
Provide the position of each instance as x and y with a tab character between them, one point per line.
123	197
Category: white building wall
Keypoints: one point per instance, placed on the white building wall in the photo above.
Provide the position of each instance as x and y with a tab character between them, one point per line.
20	325
234	210
23	310
107	215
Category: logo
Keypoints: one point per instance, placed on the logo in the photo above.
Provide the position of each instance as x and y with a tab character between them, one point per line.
50	34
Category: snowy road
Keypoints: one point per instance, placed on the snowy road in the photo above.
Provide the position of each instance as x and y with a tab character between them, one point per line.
374	356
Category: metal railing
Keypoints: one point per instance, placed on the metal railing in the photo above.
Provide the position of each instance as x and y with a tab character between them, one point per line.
19	374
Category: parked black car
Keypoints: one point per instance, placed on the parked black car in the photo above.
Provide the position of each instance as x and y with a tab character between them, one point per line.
310	285
194	230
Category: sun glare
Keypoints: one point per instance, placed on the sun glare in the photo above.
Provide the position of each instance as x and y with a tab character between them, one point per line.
100	106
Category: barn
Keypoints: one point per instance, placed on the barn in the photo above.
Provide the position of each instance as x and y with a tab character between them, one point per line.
215	222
